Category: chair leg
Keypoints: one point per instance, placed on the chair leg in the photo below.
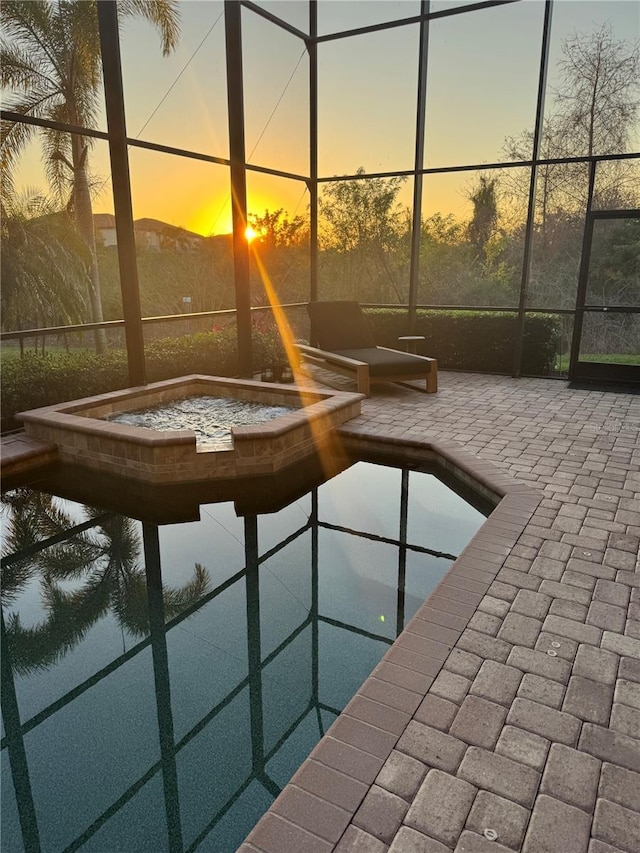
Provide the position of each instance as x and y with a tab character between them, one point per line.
432	378
362	380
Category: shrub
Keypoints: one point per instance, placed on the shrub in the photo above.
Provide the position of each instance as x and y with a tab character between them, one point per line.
213	353
462	340
474	340
41	380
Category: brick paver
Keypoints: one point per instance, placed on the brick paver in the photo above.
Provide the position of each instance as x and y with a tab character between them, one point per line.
522	746
524	715
571	776
441	807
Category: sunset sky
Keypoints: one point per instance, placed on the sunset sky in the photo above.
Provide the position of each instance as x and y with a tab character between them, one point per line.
482	80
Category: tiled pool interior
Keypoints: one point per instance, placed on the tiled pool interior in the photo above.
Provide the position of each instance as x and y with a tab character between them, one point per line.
165	709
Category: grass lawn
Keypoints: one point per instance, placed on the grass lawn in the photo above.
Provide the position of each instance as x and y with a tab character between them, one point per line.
562	361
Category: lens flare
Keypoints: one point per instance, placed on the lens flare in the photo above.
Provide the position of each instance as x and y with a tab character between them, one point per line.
328	445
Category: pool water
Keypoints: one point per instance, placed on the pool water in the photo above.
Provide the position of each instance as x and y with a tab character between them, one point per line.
211	418
161	684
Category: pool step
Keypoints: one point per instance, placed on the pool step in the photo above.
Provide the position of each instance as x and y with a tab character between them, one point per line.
20	453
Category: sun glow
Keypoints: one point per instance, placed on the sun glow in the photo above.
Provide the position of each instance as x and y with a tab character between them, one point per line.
250	233
327	442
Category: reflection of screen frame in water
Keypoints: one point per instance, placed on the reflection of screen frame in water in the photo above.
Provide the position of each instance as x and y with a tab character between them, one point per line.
258	663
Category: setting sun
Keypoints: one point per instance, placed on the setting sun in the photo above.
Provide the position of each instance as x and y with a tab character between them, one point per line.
250	233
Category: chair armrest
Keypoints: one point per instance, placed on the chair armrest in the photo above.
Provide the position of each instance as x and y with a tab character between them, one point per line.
331	357
413	354
339	364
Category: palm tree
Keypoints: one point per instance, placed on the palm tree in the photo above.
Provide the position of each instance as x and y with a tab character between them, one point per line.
42	254
50	63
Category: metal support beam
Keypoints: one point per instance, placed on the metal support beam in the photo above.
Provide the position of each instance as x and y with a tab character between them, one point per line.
237	156
116	125
583	275
312	47
416	225
531	210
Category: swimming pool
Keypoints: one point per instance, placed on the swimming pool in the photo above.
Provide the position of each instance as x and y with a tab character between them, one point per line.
168	680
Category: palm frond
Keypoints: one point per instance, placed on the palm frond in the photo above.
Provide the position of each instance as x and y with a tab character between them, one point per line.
120	542
69	560
33	24
70	616
163	14
20	69
44	264
32	649
177	600
14	138
13	580
56	157
130	604
84	606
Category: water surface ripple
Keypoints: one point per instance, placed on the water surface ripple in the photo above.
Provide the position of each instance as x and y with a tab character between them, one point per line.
211	418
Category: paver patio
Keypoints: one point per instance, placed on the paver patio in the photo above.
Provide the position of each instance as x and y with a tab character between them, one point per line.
528	738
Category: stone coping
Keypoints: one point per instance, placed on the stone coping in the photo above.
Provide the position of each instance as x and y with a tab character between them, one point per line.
22	454
318	804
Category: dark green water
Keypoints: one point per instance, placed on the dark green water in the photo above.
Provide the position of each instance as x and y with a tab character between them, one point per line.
161	684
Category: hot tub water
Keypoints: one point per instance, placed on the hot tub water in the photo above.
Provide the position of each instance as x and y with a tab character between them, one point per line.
211	418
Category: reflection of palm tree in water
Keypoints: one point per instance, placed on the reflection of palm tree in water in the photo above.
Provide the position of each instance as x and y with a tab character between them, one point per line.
103	558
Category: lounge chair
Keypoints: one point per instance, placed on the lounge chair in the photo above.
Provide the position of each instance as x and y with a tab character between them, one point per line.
346	346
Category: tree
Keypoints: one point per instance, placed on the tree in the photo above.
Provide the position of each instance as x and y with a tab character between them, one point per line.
364	227
42	255
560	188
614	273
599	93
485	212
50	63
457	269
275	230
614	268
594	110
280	250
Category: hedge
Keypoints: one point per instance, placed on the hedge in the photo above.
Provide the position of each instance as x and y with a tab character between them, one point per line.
41	380
474	340
466	340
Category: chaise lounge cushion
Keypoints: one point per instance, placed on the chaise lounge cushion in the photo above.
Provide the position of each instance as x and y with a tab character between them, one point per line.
339	326
386	362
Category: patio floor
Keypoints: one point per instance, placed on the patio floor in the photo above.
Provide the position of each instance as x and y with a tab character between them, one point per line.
528	737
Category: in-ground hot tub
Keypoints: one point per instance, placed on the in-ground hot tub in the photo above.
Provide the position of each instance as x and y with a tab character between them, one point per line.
85	437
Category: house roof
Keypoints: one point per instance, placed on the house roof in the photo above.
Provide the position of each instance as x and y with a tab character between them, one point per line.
108	220
104	220
147	224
